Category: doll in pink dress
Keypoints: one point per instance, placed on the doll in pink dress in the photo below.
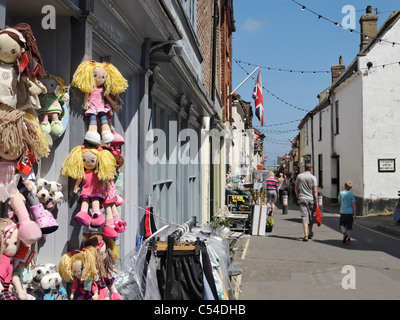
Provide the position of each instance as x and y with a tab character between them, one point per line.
19	133
80	269
9	245
90	167
99	81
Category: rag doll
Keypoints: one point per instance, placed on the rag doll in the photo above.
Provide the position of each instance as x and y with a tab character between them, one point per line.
52	104
91	167
21	143
9	245
114	224
99	81
107	255
79	267
21	68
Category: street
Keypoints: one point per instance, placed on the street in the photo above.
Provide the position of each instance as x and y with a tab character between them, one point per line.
282	266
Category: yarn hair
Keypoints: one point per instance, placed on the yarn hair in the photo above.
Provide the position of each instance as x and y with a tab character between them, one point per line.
20	131
88	259
83	78
105	169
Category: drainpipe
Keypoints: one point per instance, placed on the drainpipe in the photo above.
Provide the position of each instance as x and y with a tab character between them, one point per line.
213	93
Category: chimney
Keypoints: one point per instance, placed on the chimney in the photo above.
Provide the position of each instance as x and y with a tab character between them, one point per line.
337	70
369	27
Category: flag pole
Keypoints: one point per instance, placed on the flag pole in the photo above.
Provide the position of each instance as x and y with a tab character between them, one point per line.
244	80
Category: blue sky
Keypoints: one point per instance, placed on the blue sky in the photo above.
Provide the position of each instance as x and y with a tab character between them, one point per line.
278	34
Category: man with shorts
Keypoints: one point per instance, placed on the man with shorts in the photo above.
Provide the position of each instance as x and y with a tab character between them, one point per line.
307	194
272	191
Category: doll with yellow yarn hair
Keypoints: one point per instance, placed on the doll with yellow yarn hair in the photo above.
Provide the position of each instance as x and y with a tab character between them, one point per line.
79	267
99	81
91	167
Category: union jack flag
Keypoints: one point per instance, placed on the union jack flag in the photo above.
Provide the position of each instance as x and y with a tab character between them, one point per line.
258	97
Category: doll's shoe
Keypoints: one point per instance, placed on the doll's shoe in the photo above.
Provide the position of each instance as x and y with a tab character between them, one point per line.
116	296
93	137
98	220
110	232
120	226
107	137
43	218
118	141
56	128
83	218
46	127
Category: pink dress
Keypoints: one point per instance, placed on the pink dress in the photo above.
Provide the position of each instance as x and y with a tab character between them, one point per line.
111	195
8	180
91	187
96	102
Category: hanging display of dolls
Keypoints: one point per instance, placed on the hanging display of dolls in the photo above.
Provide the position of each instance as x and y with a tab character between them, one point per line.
21	67
91	167
52	104
22	142
79	267
99	81
9	245
107	254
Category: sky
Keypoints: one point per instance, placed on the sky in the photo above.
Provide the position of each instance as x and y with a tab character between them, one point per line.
279	34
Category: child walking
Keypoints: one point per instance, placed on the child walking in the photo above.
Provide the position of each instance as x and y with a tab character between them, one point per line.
347	211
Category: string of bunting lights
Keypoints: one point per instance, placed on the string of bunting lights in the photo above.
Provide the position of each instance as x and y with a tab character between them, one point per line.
320	16
273	94
282	69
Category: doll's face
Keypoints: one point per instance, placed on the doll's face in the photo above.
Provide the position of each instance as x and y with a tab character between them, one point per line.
50	84
11	244
10	50
99	74
9	154
77	266
89	160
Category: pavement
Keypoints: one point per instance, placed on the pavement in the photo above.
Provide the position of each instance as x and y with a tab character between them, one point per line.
281	266
379	222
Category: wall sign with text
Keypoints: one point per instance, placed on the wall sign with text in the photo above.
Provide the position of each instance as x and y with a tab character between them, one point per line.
386	165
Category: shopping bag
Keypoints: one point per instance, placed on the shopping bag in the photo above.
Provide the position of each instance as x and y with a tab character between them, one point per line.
318	216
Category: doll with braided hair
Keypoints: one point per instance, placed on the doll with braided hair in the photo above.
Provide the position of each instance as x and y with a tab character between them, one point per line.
107	255
19	135
79	267
99	81
91	167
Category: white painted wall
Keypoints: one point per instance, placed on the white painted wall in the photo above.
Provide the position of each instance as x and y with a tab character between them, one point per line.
381	116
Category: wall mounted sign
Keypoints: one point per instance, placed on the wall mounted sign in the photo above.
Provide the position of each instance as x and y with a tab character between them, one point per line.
386	165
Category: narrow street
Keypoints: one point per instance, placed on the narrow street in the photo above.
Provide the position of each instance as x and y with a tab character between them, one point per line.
282	266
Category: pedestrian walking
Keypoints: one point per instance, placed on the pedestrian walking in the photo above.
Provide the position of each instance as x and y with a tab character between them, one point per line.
307	194
283	186
272	191
347	211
